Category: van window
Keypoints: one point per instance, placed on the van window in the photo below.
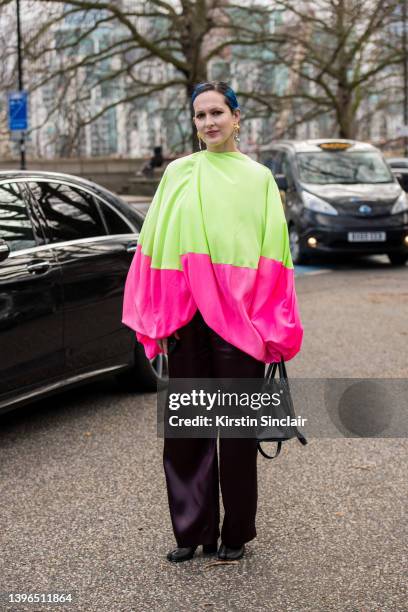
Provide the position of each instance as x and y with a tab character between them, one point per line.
343	167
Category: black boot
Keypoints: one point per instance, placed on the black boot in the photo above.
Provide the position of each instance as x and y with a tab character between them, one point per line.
230	554
181	554
186	553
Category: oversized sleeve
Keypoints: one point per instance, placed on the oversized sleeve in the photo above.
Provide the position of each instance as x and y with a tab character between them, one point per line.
274	309
136	293
156	299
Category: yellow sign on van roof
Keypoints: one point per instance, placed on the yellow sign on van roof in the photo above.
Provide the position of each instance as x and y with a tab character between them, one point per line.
335	146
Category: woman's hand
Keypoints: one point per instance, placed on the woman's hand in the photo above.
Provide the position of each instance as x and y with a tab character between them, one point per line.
162	342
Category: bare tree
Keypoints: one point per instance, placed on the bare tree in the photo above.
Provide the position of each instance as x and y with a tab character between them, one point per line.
152	46
337	52
290	61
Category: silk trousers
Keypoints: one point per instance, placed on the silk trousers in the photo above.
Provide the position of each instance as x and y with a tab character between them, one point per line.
192	468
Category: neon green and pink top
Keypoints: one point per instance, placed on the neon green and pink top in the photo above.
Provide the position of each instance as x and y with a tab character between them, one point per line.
215	239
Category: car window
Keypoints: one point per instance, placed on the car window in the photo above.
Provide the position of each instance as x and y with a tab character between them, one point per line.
70	212
115	223
15	223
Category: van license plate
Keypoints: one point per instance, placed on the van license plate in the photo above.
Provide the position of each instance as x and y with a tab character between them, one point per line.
366	236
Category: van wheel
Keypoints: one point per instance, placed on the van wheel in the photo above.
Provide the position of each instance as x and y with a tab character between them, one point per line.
398	259
145	374
297	252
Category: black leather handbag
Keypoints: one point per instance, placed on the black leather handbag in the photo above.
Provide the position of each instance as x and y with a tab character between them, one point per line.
278	433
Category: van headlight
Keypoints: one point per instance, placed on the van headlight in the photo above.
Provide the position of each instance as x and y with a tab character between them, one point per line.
401	205
312	202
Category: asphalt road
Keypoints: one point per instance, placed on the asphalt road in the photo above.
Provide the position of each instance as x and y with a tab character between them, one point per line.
83	498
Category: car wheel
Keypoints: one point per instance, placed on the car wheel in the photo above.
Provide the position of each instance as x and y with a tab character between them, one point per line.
398	259
145	374
298	254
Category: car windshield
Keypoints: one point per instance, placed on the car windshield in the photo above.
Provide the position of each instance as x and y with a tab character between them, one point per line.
343	167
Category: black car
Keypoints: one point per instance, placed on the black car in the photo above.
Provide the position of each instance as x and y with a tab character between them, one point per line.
66	245
340	196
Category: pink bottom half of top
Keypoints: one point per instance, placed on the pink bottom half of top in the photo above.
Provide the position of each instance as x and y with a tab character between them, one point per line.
255	310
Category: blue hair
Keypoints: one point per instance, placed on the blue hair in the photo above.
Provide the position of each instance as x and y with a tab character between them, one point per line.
222	88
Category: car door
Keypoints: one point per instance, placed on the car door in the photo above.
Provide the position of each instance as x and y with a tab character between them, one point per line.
94	266
31	325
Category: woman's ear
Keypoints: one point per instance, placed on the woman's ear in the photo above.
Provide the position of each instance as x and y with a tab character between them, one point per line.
237	115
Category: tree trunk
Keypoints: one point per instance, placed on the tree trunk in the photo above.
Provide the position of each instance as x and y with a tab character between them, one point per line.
345	112
200	77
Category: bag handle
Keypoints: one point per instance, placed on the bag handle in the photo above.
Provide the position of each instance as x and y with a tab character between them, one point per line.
278	450
271	371
270	375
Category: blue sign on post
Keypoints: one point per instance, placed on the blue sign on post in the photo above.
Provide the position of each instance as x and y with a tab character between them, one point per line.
17	111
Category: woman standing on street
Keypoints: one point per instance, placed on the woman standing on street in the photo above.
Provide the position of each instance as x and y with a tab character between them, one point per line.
213	270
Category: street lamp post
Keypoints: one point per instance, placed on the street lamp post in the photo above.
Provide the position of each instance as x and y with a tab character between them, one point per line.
20	84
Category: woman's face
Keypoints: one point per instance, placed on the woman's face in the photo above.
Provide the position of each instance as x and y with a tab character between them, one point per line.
215	121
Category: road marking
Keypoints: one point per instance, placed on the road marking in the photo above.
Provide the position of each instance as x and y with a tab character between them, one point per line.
311	270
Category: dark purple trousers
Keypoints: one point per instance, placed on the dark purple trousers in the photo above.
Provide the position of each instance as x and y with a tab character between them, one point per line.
191	465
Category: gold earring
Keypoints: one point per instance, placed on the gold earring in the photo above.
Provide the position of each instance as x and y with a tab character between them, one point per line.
199	140
236	132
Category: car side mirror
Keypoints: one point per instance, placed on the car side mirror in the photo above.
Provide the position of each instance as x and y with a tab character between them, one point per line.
281	181
4	249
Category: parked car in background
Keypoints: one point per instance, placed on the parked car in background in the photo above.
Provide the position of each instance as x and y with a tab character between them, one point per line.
399	168
66	245
340	196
